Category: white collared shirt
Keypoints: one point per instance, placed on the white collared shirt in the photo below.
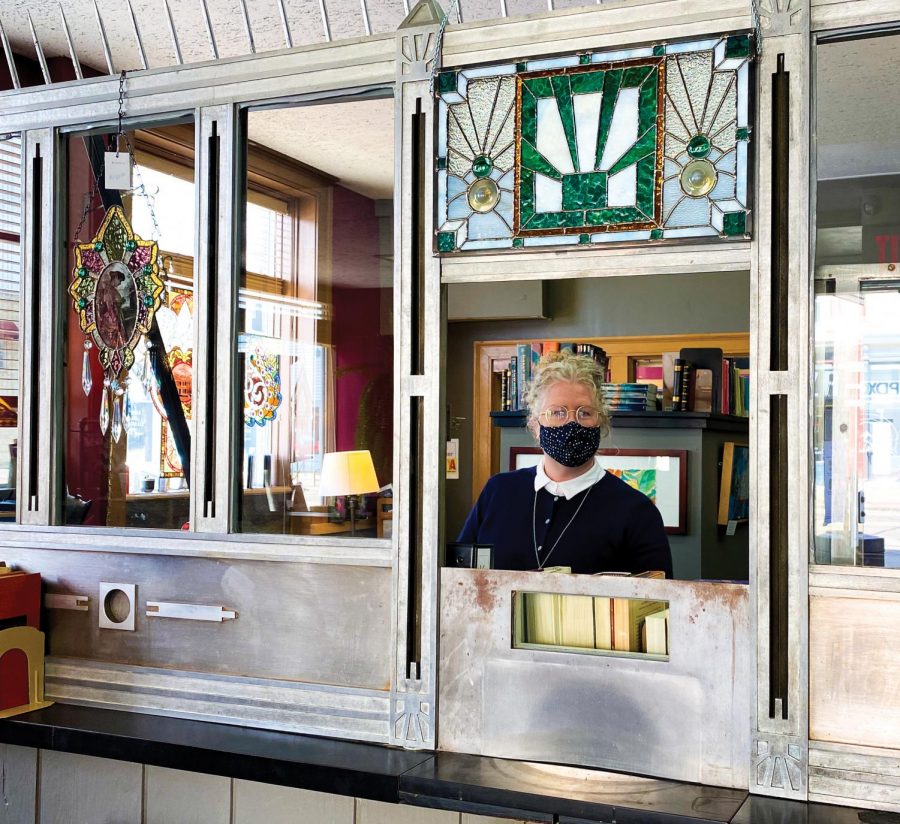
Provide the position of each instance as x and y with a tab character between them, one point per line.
568	488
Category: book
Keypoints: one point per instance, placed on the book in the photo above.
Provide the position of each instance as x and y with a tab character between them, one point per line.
656	632
627	616
513	384
668	378
702	391
603	638
576	620
504	390
707	358
677	383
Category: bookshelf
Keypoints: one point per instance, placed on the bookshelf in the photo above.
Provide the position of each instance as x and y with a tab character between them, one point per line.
491	358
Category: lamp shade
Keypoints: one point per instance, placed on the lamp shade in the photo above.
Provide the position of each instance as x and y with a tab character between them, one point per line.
348	473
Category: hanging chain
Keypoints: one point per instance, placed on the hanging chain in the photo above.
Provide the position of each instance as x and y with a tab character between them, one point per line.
88	206
757	26
120	133
439	43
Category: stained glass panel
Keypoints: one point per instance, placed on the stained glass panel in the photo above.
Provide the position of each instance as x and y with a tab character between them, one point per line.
638	144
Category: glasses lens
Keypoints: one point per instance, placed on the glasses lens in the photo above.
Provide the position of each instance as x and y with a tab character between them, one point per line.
587	416
556	415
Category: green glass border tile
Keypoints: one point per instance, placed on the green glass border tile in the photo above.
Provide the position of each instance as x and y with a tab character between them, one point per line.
648	101
518	242
614	216
446	241
584	59
584	239
521	67
734	224
611	83
743	133
656	234
528	115
659	51
442	163
646	185
738	45
447	82
635	75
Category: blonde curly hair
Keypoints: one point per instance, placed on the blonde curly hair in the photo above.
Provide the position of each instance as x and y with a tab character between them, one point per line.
571	368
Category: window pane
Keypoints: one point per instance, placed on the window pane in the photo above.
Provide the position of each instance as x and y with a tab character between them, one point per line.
857	339
10	207
315	342
129	334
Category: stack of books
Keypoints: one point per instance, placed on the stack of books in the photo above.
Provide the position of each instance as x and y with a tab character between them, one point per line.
630	397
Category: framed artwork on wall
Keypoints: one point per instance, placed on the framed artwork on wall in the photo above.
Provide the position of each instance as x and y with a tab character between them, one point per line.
661	474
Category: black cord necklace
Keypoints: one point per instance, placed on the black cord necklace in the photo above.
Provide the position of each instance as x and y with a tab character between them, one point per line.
559	538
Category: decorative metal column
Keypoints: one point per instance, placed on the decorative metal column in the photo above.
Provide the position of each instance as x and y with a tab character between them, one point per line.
418	458
780	428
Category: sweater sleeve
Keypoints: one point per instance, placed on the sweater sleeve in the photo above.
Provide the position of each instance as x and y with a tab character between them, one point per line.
648	546
469	533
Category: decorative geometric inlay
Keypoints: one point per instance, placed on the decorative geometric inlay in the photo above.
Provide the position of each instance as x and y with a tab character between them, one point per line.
778	765
412	720
778	16
633	145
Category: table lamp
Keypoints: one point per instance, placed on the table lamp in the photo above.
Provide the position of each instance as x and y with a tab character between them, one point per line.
351	474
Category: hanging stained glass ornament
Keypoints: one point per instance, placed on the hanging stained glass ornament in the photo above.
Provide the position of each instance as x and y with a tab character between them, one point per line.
262	388
116	289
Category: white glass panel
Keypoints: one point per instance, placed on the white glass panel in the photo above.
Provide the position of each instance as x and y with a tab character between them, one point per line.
609	237
690	212
623	130
552	63
551	139
621	54
621	188
547	194
488	225
587	122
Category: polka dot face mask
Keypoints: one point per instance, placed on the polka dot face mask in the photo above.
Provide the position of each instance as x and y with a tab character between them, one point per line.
571	444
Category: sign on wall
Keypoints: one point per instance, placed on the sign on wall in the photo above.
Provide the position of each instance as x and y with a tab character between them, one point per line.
632	145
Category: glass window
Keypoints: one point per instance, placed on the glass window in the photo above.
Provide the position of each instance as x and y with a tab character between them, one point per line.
316	343
129	338
10	228
857	339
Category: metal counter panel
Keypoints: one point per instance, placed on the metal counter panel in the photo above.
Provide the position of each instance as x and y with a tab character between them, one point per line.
685	718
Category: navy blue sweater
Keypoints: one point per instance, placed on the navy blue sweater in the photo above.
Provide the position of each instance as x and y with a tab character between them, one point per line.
617	530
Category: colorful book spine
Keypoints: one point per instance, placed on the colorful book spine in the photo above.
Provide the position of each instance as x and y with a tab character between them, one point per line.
513	384
523	372
677	385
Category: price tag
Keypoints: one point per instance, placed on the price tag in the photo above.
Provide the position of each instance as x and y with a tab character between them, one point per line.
731	529
453	459
116	170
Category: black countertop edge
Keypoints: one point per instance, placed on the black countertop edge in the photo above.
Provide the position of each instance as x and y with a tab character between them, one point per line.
454	781
308	762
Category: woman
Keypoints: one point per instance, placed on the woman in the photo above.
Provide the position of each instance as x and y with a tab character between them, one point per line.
568	511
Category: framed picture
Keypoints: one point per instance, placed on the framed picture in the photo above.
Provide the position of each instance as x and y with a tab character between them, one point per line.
661	474
734	491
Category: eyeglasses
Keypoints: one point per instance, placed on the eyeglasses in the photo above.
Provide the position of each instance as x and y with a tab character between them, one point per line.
559	415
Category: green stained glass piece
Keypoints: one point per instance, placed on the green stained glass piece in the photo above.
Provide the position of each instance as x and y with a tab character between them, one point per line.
737	46
587	82
734	224
563	92
743	133
447	82
482	166
584	239
646	186
613	216
556	220
520	67
636	75
656	234
98	245
643	146
659	51
526	194
648	102
539	86
149	300
529	116
584	191
131	245
584	59
446	241
82	302
518	242
699	146
148	268
442	163
611	83
532	159
115	237
82	272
